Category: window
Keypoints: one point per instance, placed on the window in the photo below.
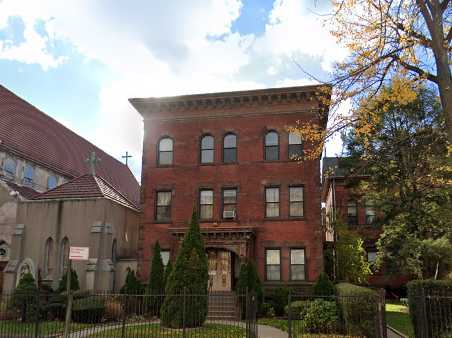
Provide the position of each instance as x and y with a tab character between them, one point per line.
271	202
9	168
207	149
163	208
295	146
4	251
230	203
296	202
273	264
272	146
206	204
114	251
64	255
371	257
297	264
352	213
51	182
230	148
165	254
165	151
370	213
48	252
28	175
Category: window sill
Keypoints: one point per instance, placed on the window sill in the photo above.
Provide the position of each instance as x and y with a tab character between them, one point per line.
284	219
163	222
164	165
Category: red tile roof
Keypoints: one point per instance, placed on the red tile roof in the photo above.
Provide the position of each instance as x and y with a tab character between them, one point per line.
24	191
35	136
86	186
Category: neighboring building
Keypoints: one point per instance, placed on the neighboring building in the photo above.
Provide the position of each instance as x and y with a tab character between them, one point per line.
343	202
37	154
228	155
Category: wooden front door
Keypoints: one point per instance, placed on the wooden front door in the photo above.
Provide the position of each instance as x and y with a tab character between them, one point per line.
220	266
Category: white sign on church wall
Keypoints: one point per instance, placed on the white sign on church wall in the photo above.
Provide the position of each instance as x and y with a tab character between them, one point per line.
77	253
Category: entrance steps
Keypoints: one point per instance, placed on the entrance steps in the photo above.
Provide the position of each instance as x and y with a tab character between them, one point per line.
223	306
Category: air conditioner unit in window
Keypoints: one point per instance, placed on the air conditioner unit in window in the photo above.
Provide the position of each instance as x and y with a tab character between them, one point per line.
229	214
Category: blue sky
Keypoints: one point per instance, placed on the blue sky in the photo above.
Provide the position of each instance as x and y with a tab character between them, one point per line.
79	60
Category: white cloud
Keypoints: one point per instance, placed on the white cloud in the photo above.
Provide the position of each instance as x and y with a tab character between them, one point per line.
168	47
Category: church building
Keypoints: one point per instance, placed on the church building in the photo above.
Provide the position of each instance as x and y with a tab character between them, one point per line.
230	156
59	190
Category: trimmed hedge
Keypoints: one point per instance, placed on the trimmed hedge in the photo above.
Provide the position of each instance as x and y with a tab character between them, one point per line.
88	310
430	304
358	307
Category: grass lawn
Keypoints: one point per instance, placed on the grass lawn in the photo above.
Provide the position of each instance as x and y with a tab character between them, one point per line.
155	330
45	328
397	316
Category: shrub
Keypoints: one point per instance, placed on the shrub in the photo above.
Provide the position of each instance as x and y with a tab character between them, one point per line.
190	276
88	310
168	270
25	299
298	308
75	285
267	310
323	286
430	316
278	298
358	309
320	316
132	286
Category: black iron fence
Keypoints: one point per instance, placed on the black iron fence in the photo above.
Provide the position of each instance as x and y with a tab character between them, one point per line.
332	316
431	311
219	315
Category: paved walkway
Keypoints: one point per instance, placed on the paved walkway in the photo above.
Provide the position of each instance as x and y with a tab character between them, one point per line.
270	332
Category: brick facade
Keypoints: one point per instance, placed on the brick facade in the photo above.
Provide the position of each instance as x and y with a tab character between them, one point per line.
249	115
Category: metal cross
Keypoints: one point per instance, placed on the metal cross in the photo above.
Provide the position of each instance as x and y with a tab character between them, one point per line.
92	160
127	156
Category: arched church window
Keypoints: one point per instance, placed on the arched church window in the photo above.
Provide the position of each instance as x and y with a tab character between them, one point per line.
64	255
28	175
48	251
25	267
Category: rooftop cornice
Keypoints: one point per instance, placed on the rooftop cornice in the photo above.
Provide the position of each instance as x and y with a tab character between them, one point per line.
235	99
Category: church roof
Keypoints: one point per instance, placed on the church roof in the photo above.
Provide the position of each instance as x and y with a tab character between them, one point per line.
86	186
30	134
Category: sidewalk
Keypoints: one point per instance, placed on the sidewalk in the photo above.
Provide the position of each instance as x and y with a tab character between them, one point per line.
270	332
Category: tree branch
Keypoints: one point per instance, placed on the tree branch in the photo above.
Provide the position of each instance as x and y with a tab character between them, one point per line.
444	5
413	68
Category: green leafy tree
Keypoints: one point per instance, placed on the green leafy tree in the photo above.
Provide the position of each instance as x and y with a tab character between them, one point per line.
189	277
25	297
132	286
156	286
75	285
156	277
351	257
168	270
250	282
406	157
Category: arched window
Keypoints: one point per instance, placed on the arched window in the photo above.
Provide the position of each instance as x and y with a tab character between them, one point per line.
230	148
9	168
207	149
48	252
64	255
165	156
272	146
295	146
28	175
51	182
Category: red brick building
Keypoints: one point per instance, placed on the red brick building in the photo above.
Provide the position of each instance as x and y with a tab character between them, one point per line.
229	156
343	202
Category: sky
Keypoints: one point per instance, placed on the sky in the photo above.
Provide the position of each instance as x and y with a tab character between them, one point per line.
80	60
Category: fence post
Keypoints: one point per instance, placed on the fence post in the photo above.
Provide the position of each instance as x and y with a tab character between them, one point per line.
247	314
289	314
424	323
183	314
67	322
38	312
382	313
124	315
